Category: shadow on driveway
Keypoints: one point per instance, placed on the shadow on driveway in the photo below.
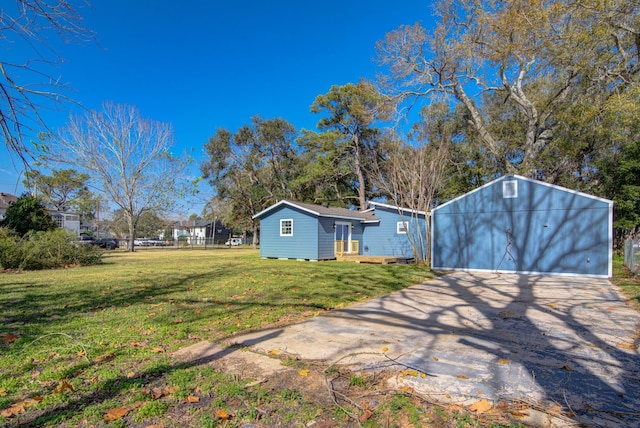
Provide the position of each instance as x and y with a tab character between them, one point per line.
563	343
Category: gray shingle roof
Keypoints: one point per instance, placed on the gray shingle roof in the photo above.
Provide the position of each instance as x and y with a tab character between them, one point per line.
6	199
325	211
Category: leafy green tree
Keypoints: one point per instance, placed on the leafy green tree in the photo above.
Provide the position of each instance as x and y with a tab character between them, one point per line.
64	190
150	224
128	157
252	169
27	214
350	112
327	175
533	62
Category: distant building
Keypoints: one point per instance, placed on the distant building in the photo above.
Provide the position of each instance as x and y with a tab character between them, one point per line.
6	199
63	219
199	231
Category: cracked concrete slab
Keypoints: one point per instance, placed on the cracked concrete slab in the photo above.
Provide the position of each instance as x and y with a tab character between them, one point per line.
562	342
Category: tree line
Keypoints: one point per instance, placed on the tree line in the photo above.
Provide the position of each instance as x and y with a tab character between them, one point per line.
545	89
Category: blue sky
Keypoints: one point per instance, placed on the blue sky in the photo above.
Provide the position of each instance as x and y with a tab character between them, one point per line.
203	65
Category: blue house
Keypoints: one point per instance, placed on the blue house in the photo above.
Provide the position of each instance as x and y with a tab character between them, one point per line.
294	230
516	224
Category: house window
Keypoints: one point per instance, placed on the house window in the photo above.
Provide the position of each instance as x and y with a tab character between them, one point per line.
509	189
286	227
402	227
58	220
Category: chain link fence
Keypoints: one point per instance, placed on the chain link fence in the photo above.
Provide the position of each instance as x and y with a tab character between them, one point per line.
632	254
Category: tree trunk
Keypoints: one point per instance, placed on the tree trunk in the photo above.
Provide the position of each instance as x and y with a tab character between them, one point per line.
256	234
362	192
132	234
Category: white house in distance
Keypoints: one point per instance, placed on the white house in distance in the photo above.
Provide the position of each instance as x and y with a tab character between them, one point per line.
67	220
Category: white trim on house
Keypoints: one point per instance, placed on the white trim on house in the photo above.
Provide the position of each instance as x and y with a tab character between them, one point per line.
282	221
530	180
393	207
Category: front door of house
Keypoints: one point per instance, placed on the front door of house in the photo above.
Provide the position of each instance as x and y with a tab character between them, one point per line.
343	237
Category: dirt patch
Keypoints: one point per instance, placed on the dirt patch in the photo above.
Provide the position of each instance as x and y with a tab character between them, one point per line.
319	395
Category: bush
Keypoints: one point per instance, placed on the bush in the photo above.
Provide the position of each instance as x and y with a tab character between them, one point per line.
44	250
10	249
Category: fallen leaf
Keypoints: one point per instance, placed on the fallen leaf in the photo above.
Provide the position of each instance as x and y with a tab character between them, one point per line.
222	415
413	373
157	349
13	410
192	399
135	405
461	376
114	414
3	392
172	389
503	361
156	393
62	386
303	372
480	406
423	375
130	375
134	344
197	311
155	426
435	358
105	358
627	345
519	414
274	352
9	338
365	415
507	313
566	367
81	353
177	320
385	349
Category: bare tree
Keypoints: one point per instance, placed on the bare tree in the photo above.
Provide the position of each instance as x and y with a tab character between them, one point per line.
129	159
27	82
411	176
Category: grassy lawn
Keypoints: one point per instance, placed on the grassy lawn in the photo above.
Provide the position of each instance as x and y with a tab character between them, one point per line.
91	346
626	280
78	343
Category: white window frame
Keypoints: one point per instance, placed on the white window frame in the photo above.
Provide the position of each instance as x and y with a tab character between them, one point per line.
282	221
510	189
58	220
402	227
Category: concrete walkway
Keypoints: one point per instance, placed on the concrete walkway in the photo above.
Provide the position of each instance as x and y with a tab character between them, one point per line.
564	344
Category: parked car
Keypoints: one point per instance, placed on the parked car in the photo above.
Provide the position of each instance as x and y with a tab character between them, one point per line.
85	240
142	242
106	243
233	242
156	242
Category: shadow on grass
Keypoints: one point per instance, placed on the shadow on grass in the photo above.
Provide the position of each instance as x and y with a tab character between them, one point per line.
115	386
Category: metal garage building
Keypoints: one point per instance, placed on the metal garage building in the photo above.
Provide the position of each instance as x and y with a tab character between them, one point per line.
516	224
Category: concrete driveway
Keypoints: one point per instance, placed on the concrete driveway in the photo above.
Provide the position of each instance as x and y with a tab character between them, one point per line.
560	343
